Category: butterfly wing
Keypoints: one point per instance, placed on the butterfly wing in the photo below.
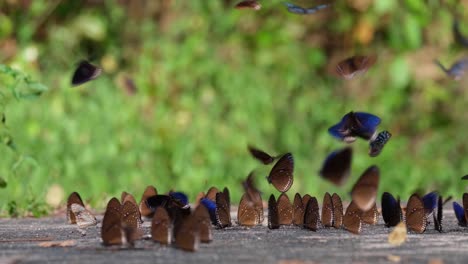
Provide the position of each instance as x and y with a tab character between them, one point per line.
111	230
250	4
365	189
285	209
281	175
247	214
85	72
312	215
298	210
337	211
161	226
352	219
74	198
337	166
416	219
202	217
327	210
391	210
223	211
84	218
144	209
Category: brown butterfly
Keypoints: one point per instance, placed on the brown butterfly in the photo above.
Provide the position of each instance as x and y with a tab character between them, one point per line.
74	198
416	219
337	166
364	191
312	215
273	217
249	4
354	66
211	194
281	175
254	195
285	210
161	226
337	211
144	209
298	210
261	155
187	236
223	209
370	217
352	218
127	197
84	218
202	218
114	230
247	215
327	210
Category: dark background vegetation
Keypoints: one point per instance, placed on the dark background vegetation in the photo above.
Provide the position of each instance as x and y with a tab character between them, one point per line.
210	80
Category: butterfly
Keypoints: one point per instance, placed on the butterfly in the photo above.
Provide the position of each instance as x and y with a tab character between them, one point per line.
355	66
465	177
312	215
285	209
180	197
187	235
355	124
223	209
457	70
337	166
173	206
416	219
261	155
439	214
247	215
211	193
327	210
459	38
376	145
128	197
120	225
281	175
144	209
365	189
430	202
202	218
391	210
83	217
273	216
211	207
304	11
461	212
249	4
337	211
161	226
254	195
298	210
85	72
352	219
74	198
371	216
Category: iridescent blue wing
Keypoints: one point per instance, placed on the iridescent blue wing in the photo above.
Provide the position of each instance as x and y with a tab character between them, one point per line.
460	214
316	8
366	125
391	210
430	201
295	9
342	130
458	69
180	196
211	206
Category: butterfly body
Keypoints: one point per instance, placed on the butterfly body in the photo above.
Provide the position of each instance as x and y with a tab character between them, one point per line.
281	175
355	124
85	72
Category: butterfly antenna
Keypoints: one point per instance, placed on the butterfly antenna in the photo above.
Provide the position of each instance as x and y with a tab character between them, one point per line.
437	62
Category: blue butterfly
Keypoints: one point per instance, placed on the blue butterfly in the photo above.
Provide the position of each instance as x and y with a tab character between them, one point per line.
391	210
430	202
355	124
179	196
211	206
376	145
304	11
460	214
457	70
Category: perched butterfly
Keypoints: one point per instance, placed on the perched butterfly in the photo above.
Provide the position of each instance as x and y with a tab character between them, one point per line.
305	200
376	145
457	70
83	217
223	210
281	175
202	217
298	210
174	207
211	194
352	218
460	214
144	209
118	229
391	210
74	198
127	197
304	11
371	216
211	207
337	166
337	211
187	236
285	209
355	66
247	215
130	215
355	124
312	215
416	219
261	155
180	197
85	72
430	202
327	210
365	189
161	226
273	217
459	38
438	216
254	195
251	4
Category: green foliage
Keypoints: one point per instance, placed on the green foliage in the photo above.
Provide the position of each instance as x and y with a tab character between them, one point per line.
212	79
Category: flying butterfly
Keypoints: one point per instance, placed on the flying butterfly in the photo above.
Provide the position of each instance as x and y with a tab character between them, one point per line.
281	175
298	210
285	209
261	155
352	219
85	72
365	189
337	211
187	236
458	36
202	218
391	210
376	145
223	210
354	66
161	226
457	70
416	219
295	9
337	166
247	215
144	209
74	198
355	124
465	177
249	4
273	217
327	210
312	215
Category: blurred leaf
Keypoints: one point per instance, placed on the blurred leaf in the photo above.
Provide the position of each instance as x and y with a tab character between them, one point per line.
3	183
